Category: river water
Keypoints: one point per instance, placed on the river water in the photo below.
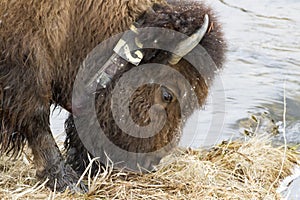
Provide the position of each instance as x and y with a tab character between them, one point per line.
262	70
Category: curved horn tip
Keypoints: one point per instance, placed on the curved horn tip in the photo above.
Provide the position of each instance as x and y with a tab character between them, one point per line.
190	43
206	19
201	31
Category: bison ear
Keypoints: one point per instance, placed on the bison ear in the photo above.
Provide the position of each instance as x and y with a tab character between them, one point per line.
187	45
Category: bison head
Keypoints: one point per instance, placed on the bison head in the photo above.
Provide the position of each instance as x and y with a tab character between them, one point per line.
141	96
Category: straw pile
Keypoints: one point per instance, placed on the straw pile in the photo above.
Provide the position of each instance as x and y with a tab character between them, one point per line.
250	169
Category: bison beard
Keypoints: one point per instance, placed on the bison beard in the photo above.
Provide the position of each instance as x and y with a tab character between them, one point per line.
42	45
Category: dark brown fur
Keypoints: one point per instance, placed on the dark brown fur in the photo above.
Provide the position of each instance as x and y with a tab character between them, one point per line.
42	45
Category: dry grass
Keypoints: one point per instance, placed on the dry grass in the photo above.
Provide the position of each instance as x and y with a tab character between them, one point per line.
237	170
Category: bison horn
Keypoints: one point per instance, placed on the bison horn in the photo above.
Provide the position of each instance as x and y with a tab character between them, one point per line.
187	45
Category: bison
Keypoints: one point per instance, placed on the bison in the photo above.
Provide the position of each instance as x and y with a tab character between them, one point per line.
43	45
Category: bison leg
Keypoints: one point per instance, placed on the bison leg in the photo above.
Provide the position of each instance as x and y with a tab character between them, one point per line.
24	113
77	155
50	163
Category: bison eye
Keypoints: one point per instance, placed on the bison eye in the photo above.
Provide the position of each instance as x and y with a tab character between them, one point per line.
167	96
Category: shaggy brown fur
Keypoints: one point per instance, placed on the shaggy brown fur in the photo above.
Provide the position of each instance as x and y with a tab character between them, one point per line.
42	45
184	17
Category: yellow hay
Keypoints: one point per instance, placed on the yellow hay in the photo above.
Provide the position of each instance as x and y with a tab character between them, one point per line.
235	170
